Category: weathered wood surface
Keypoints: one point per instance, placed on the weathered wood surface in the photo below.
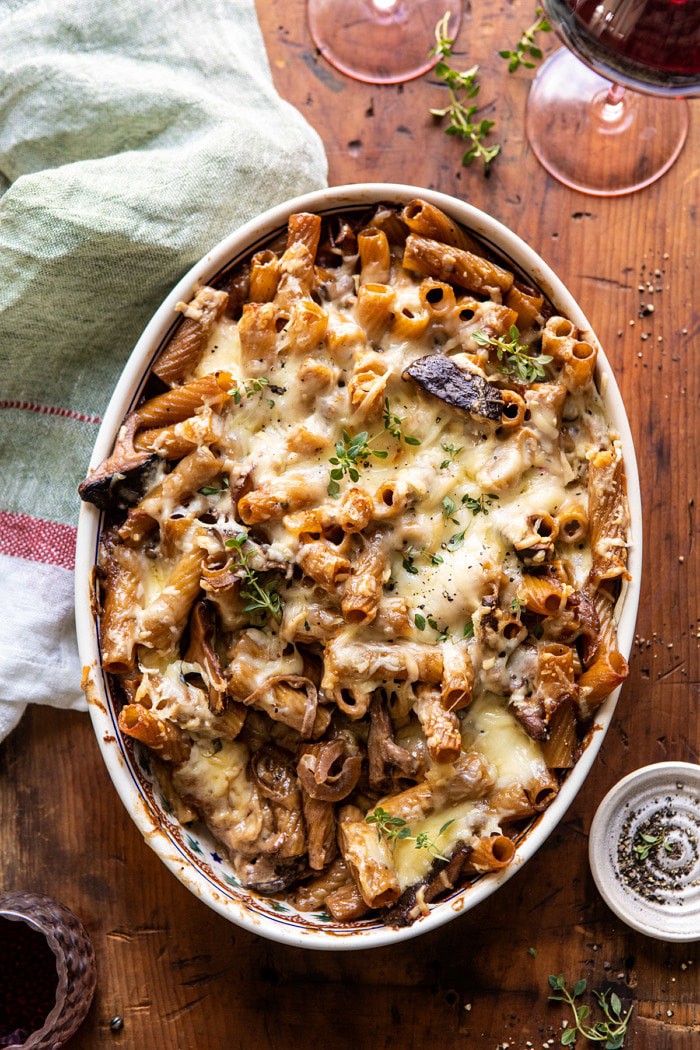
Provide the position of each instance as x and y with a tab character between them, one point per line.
182	977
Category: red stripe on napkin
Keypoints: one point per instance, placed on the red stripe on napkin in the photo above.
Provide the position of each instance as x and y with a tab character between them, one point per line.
50	410
22	536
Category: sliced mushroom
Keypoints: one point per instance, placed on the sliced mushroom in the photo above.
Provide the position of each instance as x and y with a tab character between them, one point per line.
588	619
268	876
414	900
530	713
272	771
440	376
329	771
122	479
201	651
292	699
383	751
321	840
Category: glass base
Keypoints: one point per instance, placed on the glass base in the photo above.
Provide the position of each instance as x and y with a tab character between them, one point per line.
380	41
596	137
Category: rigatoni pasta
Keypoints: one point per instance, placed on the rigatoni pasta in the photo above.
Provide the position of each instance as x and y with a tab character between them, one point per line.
365	534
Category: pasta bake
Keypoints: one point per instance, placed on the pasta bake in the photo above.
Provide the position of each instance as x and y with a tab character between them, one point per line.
364	536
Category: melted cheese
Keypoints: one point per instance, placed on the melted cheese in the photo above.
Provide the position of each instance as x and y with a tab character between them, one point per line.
466	493
490	728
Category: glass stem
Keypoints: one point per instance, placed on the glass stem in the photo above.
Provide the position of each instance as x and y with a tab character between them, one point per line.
612	108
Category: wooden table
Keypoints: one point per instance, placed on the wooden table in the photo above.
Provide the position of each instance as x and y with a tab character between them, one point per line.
181	976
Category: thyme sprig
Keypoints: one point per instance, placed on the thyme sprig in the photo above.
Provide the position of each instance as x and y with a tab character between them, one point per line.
443	633
513	358
452	453
477	505
215	490
351	451
260	589
393	425
248	389
526	49
649	843
410	554
462	86
611	1031
481	504
355	450
395	829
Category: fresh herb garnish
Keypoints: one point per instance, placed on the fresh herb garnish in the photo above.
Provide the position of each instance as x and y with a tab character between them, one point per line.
393	425
650	842
419	621
468	631
462	86
611	1031
424	842
480	505
259	589
392	828
526	49
442	632
410	554
351	451
214	490
515	606
408	560
537	630
448	508
515	359
532	952
395	829
452	454
457	540
254	387
356	450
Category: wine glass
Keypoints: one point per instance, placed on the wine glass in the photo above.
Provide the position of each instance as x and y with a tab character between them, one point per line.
379	41
597	136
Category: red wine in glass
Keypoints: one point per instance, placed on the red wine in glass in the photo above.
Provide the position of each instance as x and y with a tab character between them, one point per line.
649	45
583	125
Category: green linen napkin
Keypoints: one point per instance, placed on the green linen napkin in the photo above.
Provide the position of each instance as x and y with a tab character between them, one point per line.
133	137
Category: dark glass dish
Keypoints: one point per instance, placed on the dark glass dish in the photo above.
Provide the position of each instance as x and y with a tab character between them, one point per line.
66	937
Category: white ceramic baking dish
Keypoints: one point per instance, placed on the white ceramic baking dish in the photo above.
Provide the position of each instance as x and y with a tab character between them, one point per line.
191	853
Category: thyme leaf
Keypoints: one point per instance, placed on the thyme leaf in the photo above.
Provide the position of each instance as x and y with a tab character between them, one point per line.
515	359
452	454
248	389
393	425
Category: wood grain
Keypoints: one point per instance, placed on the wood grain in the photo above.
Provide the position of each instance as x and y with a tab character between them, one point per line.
181	976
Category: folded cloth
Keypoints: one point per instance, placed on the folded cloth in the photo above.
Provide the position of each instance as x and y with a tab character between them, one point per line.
133	136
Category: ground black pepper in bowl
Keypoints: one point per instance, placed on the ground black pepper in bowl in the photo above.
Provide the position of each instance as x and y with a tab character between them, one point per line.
642	849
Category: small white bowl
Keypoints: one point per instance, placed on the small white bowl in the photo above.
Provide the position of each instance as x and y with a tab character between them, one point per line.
192	854
652	884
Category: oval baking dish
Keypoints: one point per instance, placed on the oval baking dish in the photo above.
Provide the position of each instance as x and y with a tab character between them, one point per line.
190	851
